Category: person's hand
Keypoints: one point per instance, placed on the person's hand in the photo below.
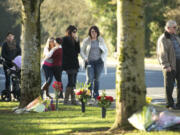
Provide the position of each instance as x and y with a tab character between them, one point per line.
168	69
76	38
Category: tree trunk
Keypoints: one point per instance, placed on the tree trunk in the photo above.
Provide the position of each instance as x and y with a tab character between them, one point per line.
130	84
30	72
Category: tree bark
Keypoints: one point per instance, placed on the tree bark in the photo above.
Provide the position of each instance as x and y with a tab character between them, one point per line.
130	84
30	71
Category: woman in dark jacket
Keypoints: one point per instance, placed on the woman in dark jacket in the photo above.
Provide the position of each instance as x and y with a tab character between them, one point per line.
9	51
71	49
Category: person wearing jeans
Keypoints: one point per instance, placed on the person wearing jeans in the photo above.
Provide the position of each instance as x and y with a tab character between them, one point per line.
94	53
47	65
94	69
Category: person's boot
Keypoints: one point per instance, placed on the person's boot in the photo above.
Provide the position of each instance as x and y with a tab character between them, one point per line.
73	99
67	93
42	93
47	94
45	87
61	94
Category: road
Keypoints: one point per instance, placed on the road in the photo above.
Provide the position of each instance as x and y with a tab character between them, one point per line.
153	78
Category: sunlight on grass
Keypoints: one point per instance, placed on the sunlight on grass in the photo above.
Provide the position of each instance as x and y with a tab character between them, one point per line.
68	120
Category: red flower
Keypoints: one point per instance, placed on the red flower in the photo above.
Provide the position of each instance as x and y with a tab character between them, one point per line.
109	98
79	93
104	101
99	98
57	85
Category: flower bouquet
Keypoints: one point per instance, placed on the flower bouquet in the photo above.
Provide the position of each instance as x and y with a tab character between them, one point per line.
57	89
104	102
83	94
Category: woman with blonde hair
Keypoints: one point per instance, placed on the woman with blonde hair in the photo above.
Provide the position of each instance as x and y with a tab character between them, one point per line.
47	64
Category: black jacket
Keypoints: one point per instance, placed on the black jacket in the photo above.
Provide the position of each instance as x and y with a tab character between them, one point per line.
10	53
71	49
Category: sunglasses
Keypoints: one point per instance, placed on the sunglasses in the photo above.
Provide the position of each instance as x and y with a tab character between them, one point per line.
93	31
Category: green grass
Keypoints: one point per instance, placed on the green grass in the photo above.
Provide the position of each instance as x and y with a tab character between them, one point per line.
68	120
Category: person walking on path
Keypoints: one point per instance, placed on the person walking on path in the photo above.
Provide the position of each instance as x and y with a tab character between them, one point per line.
47	65
94	53
71	49
9	51
168	53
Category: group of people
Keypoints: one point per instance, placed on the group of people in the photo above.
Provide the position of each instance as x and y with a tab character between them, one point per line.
62	55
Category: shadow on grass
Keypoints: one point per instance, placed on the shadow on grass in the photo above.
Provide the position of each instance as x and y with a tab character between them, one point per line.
89	130
67	120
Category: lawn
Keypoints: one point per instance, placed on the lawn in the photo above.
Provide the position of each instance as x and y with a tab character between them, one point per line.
65	121
68	120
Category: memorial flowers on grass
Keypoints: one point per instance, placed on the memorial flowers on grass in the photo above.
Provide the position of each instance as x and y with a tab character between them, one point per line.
104	102
83	94
57	89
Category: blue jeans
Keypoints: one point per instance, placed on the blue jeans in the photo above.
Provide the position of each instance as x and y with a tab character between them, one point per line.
93	72
48	72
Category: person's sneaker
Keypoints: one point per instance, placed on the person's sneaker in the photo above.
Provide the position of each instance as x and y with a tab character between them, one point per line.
91	102
61	95
96	102
170	108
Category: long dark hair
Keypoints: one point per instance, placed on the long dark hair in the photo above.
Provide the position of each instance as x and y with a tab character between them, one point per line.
70	29
94	28
59	40
11	44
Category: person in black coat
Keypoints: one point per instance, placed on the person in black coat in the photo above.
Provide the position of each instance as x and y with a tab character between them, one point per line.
9	51
71	49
